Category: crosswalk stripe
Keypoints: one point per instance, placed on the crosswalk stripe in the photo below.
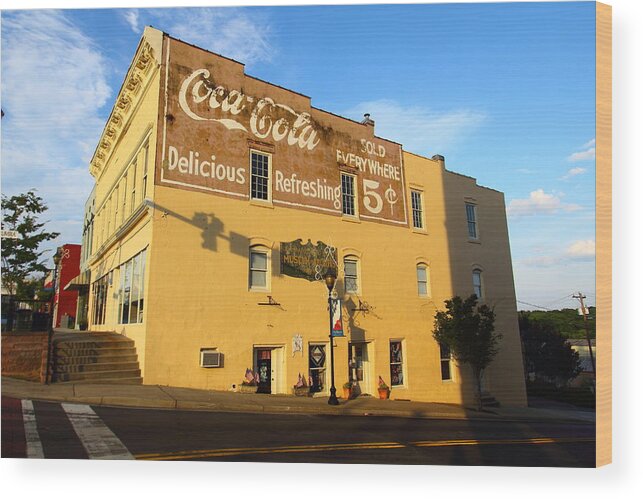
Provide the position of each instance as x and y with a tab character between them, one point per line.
99	441
34	446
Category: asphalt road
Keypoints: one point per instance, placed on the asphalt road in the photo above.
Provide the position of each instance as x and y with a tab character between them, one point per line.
70	431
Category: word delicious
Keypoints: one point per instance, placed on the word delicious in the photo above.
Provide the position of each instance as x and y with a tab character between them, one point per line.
198	88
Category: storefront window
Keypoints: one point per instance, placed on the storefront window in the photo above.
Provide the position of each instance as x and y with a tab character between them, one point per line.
317	367
397	371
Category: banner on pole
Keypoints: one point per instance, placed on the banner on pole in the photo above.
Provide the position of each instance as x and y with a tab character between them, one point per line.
338	329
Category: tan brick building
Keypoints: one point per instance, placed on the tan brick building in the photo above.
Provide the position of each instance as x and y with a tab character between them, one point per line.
206	178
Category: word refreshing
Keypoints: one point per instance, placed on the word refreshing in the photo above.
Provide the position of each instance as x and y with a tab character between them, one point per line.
198	88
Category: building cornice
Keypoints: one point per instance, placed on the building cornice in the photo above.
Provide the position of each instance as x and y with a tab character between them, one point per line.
138	75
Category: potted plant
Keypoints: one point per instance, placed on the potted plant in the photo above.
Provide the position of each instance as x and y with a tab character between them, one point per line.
348	389
301	389
250	383
383	389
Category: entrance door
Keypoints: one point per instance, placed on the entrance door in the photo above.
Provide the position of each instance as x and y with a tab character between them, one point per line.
359	367
264	369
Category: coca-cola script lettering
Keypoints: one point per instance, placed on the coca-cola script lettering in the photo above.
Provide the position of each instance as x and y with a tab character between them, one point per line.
199	89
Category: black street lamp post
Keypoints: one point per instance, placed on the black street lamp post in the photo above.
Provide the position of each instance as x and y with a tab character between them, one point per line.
50	329
330	279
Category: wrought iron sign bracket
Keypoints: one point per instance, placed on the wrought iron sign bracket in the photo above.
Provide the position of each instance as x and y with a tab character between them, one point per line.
270	302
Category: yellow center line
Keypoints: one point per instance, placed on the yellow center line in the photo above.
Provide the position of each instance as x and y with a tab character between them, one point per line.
205	453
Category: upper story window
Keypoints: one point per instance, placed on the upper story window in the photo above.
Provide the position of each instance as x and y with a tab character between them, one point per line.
145	159
133	186
258	278
351	282
472	222
348	195
417	209
260	176
477	283
124	191
424	286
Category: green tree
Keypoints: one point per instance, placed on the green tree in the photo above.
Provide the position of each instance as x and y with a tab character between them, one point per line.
547	354
22	257
468	330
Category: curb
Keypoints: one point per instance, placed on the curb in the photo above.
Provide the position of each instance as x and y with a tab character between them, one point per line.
136	403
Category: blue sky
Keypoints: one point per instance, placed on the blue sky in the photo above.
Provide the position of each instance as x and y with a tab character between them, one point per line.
504	91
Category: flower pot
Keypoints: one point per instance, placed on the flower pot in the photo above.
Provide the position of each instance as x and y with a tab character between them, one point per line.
347	393
384	393
301	391
248	388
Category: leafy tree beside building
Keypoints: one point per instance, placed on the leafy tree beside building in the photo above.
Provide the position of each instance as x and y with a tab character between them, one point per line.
548	356
468	330
22	257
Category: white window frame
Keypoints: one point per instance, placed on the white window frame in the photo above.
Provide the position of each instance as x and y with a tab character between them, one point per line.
427	282
352	258
472	222
448	361
353	178
259	249
422	220
401	363
478	272
269	178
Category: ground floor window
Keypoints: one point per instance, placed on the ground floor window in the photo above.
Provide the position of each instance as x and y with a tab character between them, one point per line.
445	361
131	290
397	367
317	367
99	300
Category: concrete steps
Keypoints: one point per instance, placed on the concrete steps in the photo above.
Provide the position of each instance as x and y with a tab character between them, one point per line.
95	358
489	400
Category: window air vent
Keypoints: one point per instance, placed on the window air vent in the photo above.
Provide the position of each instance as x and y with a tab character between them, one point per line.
211	358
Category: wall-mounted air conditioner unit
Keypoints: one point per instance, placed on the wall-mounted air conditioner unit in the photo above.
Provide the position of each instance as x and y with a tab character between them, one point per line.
211	358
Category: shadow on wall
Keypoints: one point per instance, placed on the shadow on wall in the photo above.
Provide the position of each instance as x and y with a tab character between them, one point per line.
212	231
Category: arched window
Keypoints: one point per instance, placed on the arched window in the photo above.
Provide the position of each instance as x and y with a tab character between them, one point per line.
423	279
351	275
259	277
477	283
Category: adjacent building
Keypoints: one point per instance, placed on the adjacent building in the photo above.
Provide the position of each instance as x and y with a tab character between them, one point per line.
220	201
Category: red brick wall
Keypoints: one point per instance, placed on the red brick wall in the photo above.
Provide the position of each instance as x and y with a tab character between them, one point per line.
68	269
24	355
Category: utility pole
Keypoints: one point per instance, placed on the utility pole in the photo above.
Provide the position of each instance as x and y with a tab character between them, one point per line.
580	297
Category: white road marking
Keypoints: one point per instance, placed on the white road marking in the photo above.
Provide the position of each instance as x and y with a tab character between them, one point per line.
34	446
99	441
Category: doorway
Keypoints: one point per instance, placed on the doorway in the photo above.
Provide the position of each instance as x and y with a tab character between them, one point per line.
268	362
359	367
264	370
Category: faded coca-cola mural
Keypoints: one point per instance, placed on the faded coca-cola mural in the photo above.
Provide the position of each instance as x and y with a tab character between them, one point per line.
214	118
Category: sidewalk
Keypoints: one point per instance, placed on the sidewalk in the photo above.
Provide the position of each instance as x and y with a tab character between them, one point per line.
165	397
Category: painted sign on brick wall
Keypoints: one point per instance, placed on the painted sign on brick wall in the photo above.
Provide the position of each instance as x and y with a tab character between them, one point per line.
230	134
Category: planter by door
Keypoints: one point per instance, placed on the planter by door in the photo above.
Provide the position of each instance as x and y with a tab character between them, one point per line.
383	393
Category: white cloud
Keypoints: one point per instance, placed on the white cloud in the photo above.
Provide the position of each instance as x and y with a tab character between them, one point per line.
581	249
229	32
539	202
53	85
587	152
420	129
573	172
131	17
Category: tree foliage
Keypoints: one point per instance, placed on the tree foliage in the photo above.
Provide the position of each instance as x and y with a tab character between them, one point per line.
548	356
22	257
568	322
469	332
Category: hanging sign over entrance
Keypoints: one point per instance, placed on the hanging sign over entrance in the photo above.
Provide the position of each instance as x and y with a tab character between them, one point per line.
307	261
